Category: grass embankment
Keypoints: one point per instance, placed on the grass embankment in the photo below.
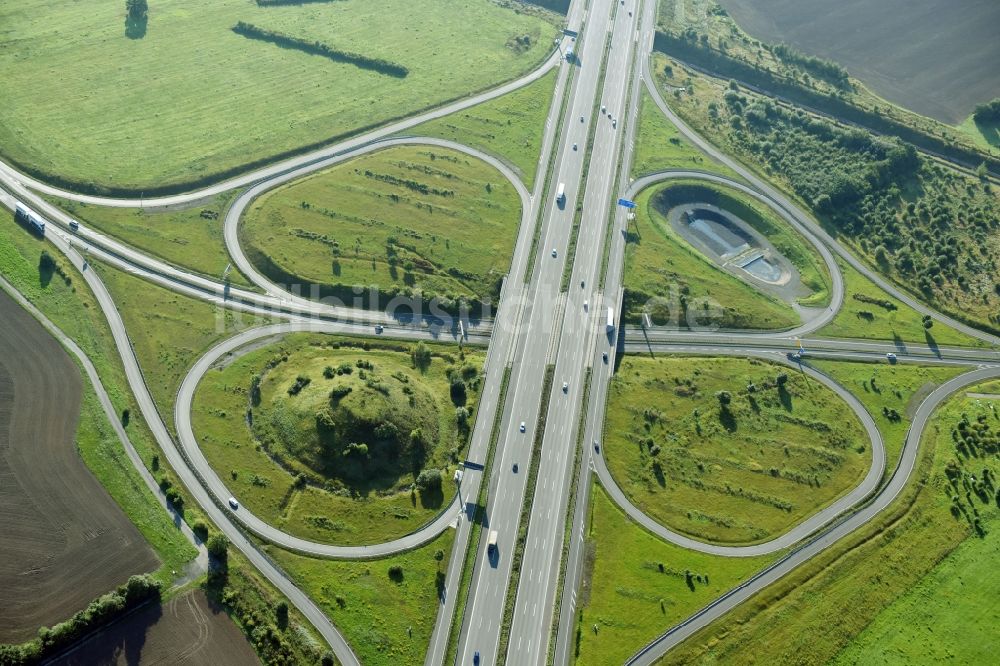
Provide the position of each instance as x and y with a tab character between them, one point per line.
737	473
336	460
405	219
908	561
890	393
385	608
168	331
636	586
659	145
667	275
74	310
986	135
871	314
189	238
255	103
510	127
924	225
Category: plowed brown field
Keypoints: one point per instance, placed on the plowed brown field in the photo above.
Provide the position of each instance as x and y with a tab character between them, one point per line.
188	629
936	57
63	540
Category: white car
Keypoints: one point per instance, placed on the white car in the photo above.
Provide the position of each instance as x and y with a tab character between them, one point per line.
233	504
890	357
522	426
614	123
574	146
554	253
604	110
565	387
585	304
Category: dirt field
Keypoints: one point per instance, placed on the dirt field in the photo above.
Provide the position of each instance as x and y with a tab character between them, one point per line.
935	57
188	629
64	540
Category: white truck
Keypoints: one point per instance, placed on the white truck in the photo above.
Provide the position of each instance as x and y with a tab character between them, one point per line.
611	320
561	194
491	545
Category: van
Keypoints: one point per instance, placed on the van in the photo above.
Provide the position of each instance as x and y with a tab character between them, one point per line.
491	545
561	194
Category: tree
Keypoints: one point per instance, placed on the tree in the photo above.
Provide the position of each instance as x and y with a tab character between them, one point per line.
928	322
421	356
461	416
725	397
782	379
218	546
459	395
429	479
137	10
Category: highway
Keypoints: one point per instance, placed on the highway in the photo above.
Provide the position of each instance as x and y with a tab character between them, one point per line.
538	325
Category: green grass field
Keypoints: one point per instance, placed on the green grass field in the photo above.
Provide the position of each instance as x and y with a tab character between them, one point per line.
660	264
909	562
74	310
985	135
346	495
742	473
169	331
636	586
509	127
410	218
88	106
890	393
387	618
885	319
659	145
189	238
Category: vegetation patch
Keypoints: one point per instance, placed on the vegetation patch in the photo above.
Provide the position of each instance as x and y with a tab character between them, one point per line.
870	313
358	595
337	439
729	450
926	226
254	104
636	586
940	531
407	220
509	127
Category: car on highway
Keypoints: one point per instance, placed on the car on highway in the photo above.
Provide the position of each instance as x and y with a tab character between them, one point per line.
515	468
554	253
74	226
581	284
604	109
233	504
522	426
475	658
614	123
597	447
574	146
604	356
890	357
379	328
581	119
565	387
586	304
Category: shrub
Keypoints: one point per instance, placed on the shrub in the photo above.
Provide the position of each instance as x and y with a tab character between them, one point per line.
281	614
396	573
218	547
429	479
200	529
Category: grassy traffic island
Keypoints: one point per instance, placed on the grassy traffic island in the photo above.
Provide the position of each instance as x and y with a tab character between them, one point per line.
407	220
679	284
339	440
729	450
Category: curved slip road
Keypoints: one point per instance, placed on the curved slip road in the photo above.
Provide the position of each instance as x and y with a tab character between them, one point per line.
211	481
800	531
9	173
232	221
806	231
804	221
216	514
657	648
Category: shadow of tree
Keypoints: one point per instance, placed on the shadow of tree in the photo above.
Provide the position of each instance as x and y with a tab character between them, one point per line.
727	419
785	397
658	472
